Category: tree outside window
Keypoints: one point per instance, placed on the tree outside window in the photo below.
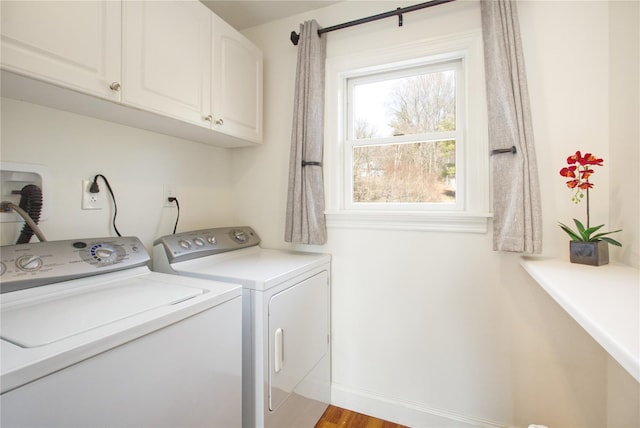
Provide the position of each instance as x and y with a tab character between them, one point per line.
403	135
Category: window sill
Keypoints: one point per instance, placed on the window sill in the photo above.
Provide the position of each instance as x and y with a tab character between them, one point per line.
604	300
414	221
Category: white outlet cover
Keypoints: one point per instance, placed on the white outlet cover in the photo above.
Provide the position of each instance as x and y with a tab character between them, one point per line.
91	201
168	191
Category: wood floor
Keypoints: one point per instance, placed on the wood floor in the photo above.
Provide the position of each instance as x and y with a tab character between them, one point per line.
336	417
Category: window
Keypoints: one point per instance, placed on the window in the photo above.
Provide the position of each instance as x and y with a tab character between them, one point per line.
404	134
406	137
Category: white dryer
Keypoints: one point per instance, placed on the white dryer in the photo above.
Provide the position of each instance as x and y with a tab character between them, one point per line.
286	313
91	337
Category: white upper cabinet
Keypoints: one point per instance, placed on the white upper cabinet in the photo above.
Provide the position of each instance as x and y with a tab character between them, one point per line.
73	44
237	83
167	66
167	58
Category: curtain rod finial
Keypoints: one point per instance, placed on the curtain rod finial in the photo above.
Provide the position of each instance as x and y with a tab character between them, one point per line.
294	38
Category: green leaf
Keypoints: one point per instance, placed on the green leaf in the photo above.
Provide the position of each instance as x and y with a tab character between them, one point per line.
587	233
581	229
608	233
574	236
611	241
600	235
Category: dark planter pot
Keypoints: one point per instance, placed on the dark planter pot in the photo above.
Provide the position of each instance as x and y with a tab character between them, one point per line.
589	253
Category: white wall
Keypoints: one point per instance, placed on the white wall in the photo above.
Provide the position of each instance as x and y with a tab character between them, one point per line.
137	164
623	404
430	328
624	119
427	327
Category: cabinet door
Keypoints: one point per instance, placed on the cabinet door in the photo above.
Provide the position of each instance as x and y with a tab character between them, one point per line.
74	44
237	83
167	58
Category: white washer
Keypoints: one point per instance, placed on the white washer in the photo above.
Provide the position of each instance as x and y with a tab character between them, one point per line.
92	337
286	295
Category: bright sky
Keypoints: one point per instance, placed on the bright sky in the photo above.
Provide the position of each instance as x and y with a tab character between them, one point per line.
370	105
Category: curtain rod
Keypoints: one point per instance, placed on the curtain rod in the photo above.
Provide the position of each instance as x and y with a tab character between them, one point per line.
398	12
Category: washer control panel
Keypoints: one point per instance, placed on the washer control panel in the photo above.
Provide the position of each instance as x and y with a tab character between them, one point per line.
200	243
40	263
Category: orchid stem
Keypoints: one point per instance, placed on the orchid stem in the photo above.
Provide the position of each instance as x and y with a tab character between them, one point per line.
588	208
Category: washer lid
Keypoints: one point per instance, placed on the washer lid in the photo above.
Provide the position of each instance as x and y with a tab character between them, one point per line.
50	319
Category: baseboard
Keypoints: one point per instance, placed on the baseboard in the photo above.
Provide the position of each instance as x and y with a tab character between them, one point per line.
401	412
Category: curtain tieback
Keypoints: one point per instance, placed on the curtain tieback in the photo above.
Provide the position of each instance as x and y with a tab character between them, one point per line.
500	151
305	163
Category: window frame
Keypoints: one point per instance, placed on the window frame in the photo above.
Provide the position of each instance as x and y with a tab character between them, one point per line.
425	65
474	163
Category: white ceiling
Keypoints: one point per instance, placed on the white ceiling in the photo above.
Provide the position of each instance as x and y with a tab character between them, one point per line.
243	14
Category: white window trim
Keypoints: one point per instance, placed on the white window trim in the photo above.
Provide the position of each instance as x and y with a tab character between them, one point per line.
475	165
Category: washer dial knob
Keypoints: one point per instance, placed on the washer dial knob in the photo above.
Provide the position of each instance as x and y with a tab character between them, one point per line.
104	253
29	263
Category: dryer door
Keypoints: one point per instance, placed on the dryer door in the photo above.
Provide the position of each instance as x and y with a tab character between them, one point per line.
298	335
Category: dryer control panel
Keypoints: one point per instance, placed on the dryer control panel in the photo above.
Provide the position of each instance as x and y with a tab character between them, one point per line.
40	263
205	242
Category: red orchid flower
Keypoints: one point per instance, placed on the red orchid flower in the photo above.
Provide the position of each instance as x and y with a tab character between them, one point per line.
585	185
568	172
589	159
574	158
580	170
586	173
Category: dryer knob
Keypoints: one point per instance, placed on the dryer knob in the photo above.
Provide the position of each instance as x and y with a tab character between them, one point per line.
240	236
184	244
199	242
212	240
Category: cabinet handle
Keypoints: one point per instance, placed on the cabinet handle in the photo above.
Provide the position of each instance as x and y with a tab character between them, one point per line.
219	122
115	86
208	118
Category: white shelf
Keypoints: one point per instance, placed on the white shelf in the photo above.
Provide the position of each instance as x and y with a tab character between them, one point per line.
604	300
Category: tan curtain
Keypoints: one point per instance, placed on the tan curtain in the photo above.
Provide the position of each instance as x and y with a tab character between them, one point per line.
305	222
517	217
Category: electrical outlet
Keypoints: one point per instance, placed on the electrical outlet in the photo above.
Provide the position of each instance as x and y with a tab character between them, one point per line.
91	201
168	192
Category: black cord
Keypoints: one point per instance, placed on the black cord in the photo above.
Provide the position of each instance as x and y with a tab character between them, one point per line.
178	217
95	189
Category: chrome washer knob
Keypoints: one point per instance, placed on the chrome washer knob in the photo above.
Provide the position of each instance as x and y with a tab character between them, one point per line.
29	263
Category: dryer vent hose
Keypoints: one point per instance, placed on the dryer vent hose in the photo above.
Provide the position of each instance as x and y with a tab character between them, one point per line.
31	203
